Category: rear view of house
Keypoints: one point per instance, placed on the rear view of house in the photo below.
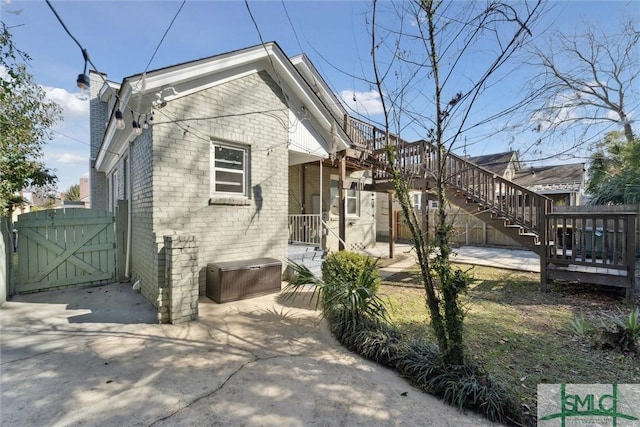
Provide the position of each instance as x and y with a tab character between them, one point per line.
207	161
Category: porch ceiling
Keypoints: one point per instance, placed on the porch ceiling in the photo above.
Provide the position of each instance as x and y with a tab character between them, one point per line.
298	158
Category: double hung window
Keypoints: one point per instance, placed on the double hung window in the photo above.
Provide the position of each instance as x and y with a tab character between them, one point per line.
229	170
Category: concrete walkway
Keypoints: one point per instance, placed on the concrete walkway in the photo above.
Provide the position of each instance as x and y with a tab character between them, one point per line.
94	357
512	259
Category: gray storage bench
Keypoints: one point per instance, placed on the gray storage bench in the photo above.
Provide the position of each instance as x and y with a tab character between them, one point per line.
234	280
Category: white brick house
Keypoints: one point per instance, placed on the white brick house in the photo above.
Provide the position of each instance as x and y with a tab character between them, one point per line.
238	142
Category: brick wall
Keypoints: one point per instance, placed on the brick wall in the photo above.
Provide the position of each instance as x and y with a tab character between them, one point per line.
144	244
180	303
98	117
180	191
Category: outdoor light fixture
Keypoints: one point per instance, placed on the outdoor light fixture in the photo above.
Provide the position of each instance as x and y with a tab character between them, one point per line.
135	124
148	121
83	80
119	120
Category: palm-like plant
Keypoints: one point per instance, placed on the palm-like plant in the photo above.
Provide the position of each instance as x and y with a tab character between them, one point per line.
344	301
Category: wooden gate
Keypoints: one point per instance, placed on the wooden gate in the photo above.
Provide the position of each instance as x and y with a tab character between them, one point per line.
65	247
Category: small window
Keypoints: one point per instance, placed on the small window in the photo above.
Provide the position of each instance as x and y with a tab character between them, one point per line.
417	201
351	199
229	170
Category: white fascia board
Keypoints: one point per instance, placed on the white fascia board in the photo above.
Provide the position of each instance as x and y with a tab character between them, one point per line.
114	141
311	101
107	90
191	71
302	63
239	64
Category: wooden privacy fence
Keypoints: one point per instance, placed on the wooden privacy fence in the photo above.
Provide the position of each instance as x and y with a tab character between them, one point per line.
467	229
65	247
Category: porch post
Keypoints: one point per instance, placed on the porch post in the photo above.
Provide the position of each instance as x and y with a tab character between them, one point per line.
392	228
544	244
341	210
320	203
303	185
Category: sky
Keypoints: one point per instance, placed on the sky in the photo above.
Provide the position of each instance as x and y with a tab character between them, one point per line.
121	38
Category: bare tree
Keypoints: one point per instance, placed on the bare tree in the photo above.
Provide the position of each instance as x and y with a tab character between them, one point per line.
587	79
432	63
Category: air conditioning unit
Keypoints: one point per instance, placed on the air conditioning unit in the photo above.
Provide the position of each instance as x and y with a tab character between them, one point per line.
235	280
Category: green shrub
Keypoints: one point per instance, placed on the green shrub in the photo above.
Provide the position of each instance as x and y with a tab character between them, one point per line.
628	329
578	325
375	341
465	386
347	299
345	266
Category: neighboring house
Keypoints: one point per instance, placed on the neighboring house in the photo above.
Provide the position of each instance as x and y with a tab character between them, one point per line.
502	164
241	144
85	195
564	184
23	207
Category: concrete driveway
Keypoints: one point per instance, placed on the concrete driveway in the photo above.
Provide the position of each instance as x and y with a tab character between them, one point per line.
95	357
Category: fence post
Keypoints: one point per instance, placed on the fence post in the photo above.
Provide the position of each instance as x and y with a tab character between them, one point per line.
466	232
544	242
631	259
485	239
392	224
122	225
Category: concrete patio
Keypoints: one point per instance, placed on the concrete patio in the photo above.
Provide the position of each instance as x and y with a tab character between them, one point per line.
95	357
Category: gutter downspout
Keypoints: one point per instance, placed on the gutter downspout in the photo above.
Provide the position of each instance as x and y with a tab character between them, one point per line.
127	261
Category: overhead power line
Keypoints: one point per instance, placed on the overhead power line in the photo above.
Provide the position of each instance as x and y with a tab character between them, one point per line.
164	35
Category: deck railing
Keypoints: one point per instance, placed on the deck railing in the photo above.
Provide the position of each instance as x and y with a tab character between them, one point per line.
602	240
502	197
593	247
305	228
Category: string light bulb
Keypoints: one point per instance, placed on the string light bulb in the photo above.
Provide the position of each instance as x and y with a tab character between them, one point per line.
135	124
83	80
119	120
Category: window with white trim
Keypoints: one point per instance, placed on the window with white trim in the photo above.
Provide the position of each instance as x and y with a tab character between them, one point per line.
229	170
417	201
351	199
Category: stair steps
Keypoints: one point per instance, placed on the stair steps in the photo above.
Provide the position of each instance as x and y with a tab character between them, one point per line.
311	256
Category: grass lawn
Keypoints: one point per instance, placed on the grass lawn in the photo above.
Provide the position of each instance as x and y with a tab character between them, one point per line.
522	335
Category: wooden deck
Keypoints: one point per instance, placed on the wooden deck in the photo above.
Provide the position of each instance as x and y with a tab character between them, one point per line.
592	247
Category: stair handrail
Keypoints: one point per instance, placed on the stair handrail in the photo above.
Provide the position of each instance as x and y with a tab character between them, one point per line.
416	155
326	226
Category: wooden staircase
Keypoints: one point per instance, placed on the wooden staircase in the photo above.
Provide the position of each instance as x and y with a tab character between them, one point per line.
591	247
509	207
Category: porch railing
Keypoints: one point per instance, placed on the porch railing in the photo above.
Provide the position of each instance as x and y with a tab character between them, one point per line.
305	228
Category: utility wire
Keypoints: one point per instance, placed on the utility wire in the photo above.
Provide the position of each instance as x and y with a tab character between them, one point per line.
286	12
85	54
164	35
